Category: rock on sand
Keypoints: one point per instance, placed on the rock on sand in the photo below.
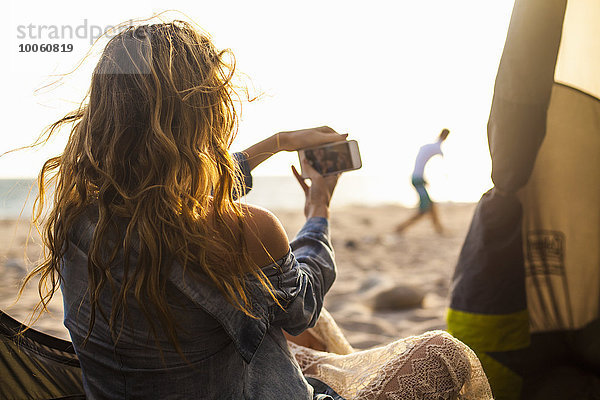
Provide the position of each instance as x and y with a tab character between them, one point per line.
399	297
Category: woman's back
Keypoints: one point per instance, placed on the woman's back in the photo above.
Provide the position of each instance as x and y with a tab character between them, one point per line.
139	364
225	354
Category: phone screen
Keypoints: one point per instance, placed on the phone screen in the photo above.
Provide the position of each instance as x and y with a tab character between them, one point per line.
331	158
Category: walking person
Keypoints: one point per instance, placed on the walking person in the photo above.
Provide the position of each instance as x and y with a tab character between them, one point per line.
426	205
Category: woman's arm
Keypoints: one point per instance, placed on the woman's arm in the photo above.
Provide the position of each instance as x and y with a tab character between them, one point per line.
300	272
248	159
301	277
290	141
304	275
311	273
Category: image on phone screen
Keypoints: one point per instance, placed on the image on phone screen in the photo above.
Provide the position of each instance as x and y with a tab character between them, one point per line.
333	158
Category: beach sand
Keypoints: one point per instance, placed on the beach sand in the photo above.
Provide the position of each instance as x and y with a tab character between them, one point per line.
371	260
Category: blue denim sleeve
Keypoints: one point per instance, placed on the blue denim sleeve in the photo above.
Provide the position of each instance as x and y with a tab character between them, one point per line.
302	278
244	175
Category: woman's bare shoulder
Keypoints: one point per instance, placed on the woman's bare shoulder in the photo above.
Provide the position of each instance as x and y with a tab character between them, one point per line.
264	235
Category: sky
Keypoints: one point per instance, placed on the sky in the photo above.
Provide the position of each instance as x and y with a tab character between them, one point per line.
392	74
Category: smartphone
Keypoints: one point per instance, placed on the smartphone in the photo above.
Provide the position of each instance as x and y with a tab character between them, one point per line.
331	158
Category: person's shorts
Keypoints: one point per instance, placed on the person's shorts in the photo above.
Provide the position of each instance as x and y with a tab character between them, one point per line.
424	200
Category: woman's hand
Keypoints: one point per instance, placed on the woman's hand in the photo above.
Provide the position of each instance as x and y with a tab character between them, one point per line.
290	141
303	138
318	194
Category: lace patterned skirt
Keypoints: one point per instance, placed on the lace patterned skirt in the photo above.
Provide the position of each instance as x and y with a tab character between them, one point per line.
430	366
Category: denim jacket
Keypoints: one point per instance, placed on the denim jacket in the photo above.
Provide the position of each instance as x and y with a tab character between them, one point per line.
228	355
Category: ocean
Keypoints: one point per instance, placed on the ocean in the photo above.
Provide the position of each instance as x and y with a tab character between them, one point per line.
17	197
272	192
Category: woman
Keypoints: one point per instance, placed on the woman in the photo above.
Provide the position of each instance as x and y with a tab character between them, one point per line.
172	288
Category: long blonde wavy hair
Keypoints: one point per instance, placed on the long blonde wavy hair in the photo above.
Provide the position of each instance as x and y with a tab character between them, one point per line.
150	144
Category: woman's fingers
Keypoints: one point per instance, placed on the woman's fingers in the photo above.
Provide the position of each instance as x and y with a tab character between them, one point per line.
300	180
311	173
320	183
325	129
331	181
318	194
316	178
304	138
330	133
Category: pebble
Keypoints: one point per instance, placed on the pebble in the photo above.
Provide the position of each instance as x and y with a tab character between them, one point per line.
371	239
371	282
351	244
366	221
399	297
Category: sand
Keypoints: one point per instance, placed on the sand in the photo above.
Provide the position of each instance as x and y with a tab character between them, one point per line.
370	258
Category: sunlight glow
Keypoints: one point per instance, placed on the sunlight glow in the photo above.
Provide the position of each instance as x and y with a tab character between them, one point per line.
390	73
